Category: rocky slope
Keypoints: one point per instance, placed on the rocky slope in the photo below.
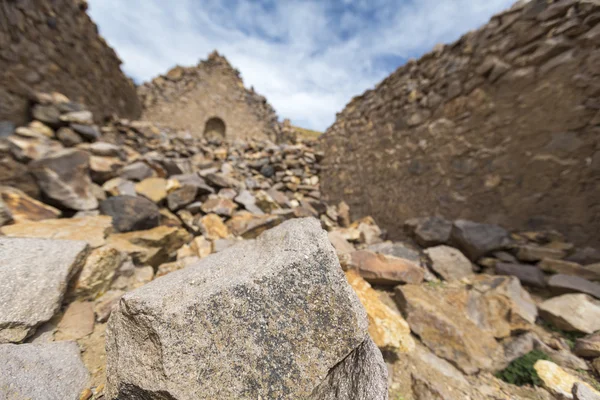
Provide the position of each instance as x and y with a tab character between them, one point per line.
123	222
501	126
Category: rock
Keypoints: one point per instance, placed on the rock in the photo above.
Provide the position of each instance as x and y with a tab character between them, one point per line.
344	215
44	268
202	247
181	197
429	231
396	249
531	253
91	229
78	117
42	371
119	187
27	149
138	171
528	274
154	189
7	128
212	227
221	244
449	263
387	328
170	267
98	272
362	375
68	137
47	114
106	304
596	364
582	391
104	149
248	201
586	255
141	276
250	226
385	270
557	380
87	132
24	208
219	206
561	284
446	330
572	312
77	322
554	266
196	181
103	169
476	240
244	292
588	346
64	178
131	213
222	181
5	215
265	202
340	244
369	232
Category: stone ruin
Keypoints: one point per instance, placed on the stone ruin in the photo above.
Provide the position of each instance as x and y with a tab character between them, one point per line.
209	100
53	45
501	126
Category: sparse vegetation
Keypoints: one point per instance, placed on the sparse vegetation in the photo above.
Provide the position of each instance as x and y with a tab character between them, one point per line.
307	133
521	372
570	337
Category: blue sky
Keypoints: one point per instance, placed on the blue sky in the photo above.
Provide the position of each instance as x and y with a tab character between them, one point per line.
308	57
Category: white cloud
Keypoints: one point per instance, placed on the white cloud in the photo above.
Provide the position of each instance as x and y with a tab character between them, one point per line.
308	57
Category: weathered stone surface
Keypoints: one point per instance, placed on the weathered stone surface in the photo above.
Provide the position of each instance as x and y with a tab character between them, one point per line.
154	189
196	181
446	330
476	240
87	132
588	346
554	266
250	226
64	178
5	215
246	199
582	391
277	357
138	171
103	169
68	137
42	371
212	227
77	321
219	206
386	270
34	274
339	242
529	275
429	231
396	249
106	304
131	213
572	312
531	253
362	375
97	272
139	277
449	263
91	229
387	328
558	381
27	149
561	284
181	197
24	208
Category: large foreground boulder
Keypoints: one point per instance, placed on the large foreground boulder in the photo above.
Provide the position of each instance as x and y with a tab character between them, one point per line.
272	318
52	371
34	275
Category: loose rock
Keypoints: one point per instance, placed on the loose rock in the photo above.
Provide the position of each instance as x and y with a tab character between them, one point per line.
572	312
131	213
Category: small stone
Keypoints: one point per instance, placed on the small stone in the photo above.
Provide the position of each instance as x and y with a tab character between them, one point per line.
219	206
430	231
344	215
141	276
68	137
106	304
212	227
104	168
42	371
582	391
138	171
554	266
385	270
181	197
572	312
248	201
119	187
222	181
64	178
194	180
97	272
558	382
449	263
87	132
531	253
131	213
154	189
45	268
249	226
77	322
476	240
528	274
78	117
28	149
341	245
588	346
397	249
561	284
265	202
47	114
24	208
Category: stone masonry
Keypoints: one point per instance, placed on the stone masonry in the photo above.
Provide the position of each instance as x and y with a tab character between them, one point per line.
501	126
54	46
210	100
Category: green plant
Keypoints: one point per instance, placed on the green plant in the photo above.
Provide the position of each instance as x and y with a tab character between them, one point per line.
435	284
521	372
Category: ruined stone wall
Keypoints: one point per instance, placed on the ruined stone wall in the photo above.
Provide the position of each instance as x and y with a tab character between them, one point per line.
189	97
502	126
53	45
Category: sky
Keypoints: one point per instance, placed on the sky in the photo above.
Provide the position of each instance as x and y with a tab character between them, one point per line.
308	57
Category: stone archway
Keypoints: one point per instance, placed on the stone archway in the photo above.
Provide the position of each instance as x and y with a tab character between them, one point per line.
214	129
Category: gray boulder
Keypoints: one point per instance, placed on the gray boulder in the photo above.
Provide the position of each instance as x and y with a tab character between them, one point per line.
429	231
561	284
476	240
529	275
131	213
34	274
64	177
49	371
271	318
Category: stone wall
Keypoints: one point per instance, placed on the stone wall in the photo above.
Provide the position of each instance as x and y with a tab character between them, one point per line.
502	126
53	45
209	98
